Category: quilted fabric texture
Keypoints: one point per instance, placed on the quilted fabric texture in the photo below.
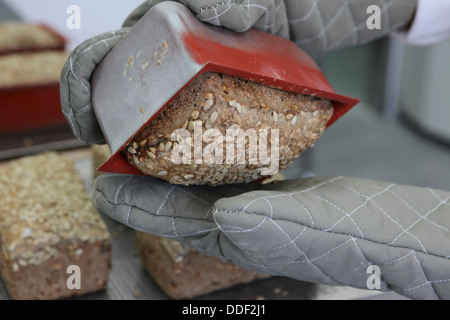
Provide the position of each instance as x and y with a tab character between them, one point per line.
324	230
75	86
314	25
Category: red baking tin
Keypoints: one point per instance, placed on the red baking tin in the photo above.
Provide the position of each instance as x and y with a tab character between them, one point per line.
32	106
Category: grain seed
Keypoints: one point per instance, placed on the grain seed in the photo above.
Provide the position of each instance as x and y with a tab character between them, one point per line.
213	117
191	126
294	120
195	114
239	107
275	116
208	104
131	150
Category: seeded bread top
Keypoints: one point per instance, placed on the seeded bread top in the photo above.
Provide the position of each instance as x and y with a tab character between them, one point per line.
232	91
221	102
44	204
18	35
31	68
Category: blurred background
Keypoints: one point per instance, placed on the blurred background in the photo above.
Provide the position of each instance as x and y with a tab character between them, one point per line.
399	132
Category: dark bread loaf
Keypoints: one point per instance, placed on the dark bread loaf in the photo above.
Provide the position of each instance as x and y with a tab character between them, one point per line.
48	223
18	36
183	272
216	101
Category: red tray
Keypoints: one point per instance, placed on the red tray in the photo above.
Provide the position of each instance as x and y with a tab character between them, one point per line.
30	107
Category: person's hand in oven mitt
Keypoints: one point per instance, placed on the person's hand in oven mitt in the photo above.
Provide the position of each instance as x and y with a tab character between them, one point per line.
326	230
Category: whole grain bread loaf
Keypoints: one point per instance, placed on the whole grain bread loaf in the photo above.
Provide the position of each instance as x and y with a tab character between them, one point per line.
48	223
31	68
215	101
183	272
19	36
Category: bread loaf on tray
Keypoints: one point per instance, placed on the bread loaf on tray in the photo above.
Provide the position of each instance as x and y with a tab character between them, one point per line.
48	228
31	68
215	101
183	272
18	36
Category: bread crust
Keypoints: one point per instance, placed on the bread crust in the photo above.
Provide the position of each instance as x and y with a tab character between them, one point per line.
221	102
48	222
31	68
183	272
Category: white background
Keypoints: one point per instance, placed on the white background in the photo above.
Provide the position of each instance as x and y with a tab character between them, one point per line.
97	16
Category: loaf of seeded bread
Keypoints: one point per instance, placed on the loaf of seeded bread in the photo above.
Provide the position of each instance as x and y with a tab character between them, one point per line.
19	36
31	68
183	272
216	101
48	223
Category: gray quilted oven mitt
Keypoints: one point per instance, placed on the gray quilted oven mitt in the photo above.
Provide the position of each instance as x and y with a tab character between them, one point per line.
332	230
